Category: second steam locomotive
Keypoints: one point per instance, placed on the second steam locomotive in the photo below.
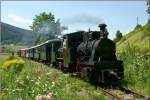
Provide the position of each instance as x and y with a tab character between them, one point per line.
90	54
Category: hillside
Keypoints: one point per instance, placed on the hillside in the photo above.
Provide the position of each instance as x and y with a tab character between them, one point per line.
139	37
133	50
12	34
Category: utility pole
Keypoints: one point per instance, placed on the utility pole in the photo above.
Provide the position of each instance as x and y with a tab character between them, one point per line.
149	35
137	20
0	39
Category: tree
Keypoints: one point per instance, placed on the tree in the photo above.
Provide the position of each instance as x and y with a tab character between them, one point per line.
118	36
148	9
45	27
138	27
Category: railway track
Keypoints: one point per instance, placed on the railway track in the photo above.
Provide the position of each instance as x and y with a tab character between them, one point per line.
128	91
121	93
111	95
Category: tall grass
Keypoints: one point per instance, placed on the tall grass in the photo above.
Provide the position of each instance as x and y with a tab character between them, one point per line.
38	79
137	68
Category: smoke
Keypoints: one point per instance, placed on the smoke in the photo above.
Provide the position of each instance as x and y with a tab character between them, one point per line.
56	28
53	28
83	19
46	28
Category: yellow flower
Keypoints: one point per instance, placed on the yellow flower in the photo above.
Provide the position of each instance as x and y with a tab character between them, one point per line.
7	64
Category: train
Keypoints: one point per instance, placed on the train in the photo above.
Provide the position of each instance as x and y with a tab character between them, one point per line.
90	54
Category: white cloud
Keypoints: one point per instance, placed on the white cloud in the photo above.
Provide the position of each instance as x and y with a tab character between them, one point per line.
19	19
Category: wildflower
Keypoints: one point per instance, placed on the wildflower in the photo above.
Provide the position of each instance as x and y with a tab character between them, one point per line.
27	77
7	64
48	73
44	97
17	81
39	77
53	84
13	90
6	89
19	98
45	84
19	89
32	80
21	82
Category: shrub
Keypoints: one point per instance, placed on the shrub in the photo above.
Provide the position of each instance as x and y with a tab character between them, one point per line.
136	63
15	64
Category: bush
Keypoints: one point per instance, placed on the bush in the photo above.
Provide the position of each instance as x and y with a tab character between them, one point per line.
15	64
118	36
137	68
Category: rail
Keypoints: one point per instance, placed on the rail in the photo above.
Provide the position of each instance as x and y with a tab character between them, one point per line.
127	94
112	95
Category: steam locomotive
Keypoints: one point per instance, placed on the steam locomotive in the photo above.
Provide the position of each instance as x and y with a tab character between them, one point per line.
90	54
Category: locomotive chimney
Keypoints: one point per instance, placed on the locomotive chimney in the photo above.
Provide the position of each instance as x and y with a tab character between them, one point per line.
103	31
102	26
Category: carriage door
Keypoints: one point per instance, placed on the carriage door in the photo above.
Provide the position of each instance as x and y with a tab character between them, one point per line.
66	52
52	53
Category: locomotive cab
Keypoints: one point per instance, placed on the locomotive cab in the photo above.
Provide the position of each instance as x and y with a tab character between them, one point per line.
68	51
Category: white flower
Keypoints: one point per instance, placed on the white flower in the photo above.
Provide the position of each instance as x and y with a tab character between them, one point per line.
27	77
32	80
45	84
37	83
39	77
53	84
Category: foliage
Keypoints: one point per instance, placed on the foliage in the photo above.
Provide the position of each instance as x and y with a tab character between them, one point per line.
45	25
17	63
148	9
118	36
138	27
38	79
137	68
139	37
134	51
12	63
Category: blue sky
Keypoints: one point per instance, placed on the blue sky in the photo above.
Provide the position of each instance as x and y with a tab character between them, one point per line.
78	15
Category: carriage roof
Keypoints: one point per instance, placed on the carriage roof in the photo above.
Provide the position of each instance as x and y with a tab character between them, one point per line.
48	41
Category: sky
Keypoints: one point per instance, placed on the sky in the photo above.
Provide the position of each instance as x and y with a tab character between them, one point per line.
78	15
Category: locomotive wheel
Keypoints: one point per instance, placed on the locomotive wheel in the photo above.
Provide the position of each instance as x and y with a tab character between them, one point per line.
61	66
93	77
54	64
71	67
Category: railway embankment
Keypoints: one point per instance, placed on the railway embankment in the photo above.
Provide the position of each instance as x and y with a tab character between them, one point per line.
23	79
133	49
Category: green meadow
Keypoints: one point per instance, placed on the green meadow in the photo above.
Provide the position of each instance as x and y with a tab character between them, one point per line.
22	79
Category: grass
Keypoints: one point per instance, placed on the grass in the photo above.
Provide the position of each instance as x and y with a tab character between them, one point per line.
133	49
137	68
38	79
11	47
139	37
3	56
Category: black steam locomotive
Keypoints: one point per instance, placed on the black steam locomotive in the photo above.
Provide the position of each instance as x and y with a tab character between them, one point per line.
90	54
